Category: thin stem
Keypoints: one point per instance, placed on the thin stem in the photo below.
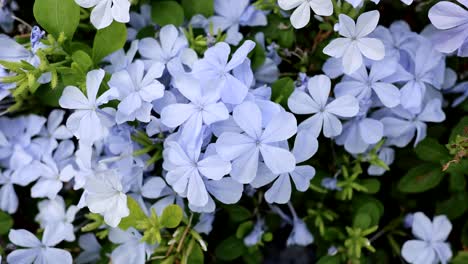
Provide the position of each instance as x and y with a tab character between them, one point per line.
179	247
21	21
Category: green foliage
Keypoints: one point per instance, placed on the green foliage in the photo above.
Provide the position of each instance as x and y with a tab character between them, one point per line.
193	7
6	222
430	150
109	40
171	216
167	12
136	215
230	249
420	178
57	16
238	213
281	90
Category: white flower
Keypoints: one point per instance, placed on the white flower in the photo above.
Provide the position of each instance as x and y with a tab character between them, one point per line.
301	16
131	249
52	213
355	43
105	11
103	195
37	251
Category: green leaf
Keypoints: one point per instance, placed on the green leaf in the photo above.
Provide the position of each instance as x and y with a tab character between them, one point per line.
167	12
6	222
460	258
281	90
244	229
372	185
368	213
57	16
238	213
230	249
257	56
83	60
196	256
421	178
459	129
362	220
109	40
136	214
171	216
454	207
457	180
193	7
431	150
329	260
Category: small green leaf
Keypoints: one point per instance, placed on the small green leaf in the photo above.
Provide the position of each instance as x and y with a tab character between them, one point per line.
171	216
431	150
238	213
454	207
194	7
281	90
244	229
136	214
196	256
372	185
83	60
109	40
167	12
460	258
57	16
257	56
459	129
6	222
230	249
421	178
329	260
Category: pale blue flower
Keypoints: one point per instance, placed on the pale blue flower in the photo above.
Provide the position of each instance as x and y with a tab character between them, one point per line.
171	43
255	236
460	88
53	214
330	183
451	20
88	123
215	67
91	249
37	251
9	200
430	245
244	148
131	249
203	108
36	35
106	11
300	234
324	113
360	133
398	39
205	223
280	191
138	21
355	43
363	85
51	179
6	15
387	155
301	15
136	90
53	131
231	14
408	220
403	125
186	170
120	60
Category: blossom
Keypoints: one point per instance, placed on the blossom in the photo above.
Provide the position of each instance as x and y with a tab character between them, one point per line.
324	113
205	223
103	195
300	234
136	91
171	43
54	130
357	3
36	35
120	60
451	20
402	125
215	67
9	200
359	133
37	251
330	183
362	84
52	178
139	21
301	15
355	42
105	11
244	149
53	214
130	249
203	108
88	123
255	236
91	249
230	14
430	245
186	170
387	155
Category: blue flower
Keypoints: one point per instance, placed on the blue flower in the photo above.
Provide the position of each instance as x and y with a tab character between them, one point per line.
215	67
136	90
255	236
330	183
430	245
36	35
244	148
324	113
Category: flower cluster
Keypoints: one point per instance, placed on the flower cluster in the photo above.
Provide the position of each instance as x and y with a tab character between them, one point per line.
184	120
